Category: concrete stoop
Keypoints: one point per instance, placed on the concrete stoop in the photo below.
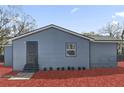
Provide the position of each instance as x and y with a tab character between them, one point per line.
22	76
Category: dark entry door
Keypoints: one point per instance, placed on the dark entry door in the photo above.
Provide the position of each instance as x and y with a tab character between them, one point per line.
32	52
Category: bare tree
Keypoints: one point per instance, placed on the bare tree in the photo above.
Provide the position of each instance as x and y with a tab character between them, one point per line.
13	23
112	29
5	21
23	24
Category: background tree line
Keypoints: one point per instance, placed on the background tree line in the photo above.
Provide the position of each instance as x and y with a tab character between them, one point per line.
13	22
112	29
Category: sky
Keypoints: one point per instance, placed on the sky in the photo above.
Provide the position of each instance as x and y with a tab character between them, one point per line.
77	18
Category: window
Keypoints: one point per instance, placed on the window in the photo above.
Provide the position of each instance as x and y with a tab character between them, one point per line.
70	49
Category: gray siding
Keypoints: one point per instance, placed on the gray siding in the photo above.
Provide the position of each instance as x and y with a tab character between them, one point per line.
51	50
8	56
103	55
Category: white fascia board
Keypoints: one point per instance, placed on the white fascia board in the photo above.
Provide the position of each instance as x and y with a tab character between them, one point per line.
106	41
54	26
64	30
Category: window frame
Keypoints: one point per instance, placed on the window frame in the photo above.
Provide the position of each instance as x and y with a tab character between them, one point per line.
66	45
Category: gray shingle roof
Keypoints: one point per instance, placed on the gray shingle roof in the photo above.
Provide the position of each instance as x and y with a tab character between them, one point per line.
102	38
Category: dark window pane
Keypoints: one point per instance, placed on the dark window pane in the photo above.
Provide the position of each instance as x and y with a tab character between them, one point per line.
71	46
71	52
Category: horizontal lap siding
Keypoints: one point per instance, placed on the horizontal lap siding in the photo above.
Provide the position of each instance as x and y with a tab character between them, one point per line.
103	55
8	56
51	50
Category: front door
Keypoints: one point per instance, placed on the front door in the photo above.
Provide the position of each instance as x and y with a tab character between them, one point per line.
32	52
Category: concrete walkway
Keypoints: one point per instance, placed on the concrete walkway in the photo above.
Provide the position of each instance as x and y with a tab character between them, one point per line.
22	76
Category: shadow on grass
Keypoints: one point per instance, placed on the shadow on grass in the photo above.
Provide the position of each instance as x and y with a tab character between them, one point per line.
77	74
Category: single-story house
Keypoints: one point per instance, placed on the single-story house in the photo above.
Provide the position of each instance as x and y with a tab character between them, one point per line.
56	48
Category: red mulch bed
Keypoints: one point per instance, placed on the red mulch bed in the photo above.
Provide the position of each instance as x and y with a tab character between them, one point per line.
4	70
96	77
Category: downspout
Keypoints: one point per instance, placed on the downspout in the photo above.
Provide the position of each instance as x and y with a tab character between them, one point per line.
12	57
122	37
89	54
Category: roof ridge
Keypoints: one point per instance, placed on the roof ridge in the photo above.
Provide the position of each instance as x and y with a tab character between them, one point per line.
93	39
54	26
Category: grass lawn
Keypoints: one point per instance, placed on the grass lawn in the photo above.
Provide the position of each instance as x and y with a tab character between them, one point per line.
112	77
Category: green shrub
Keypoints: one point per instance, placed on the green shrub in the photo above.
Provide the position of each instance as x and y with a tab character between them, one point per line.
50	68
58	68
62	68
72	68
69	68
45	69
83	68
79	68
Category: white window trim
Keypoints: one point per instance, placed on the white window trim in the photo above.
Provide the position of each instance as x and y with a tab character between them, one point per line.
75	50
